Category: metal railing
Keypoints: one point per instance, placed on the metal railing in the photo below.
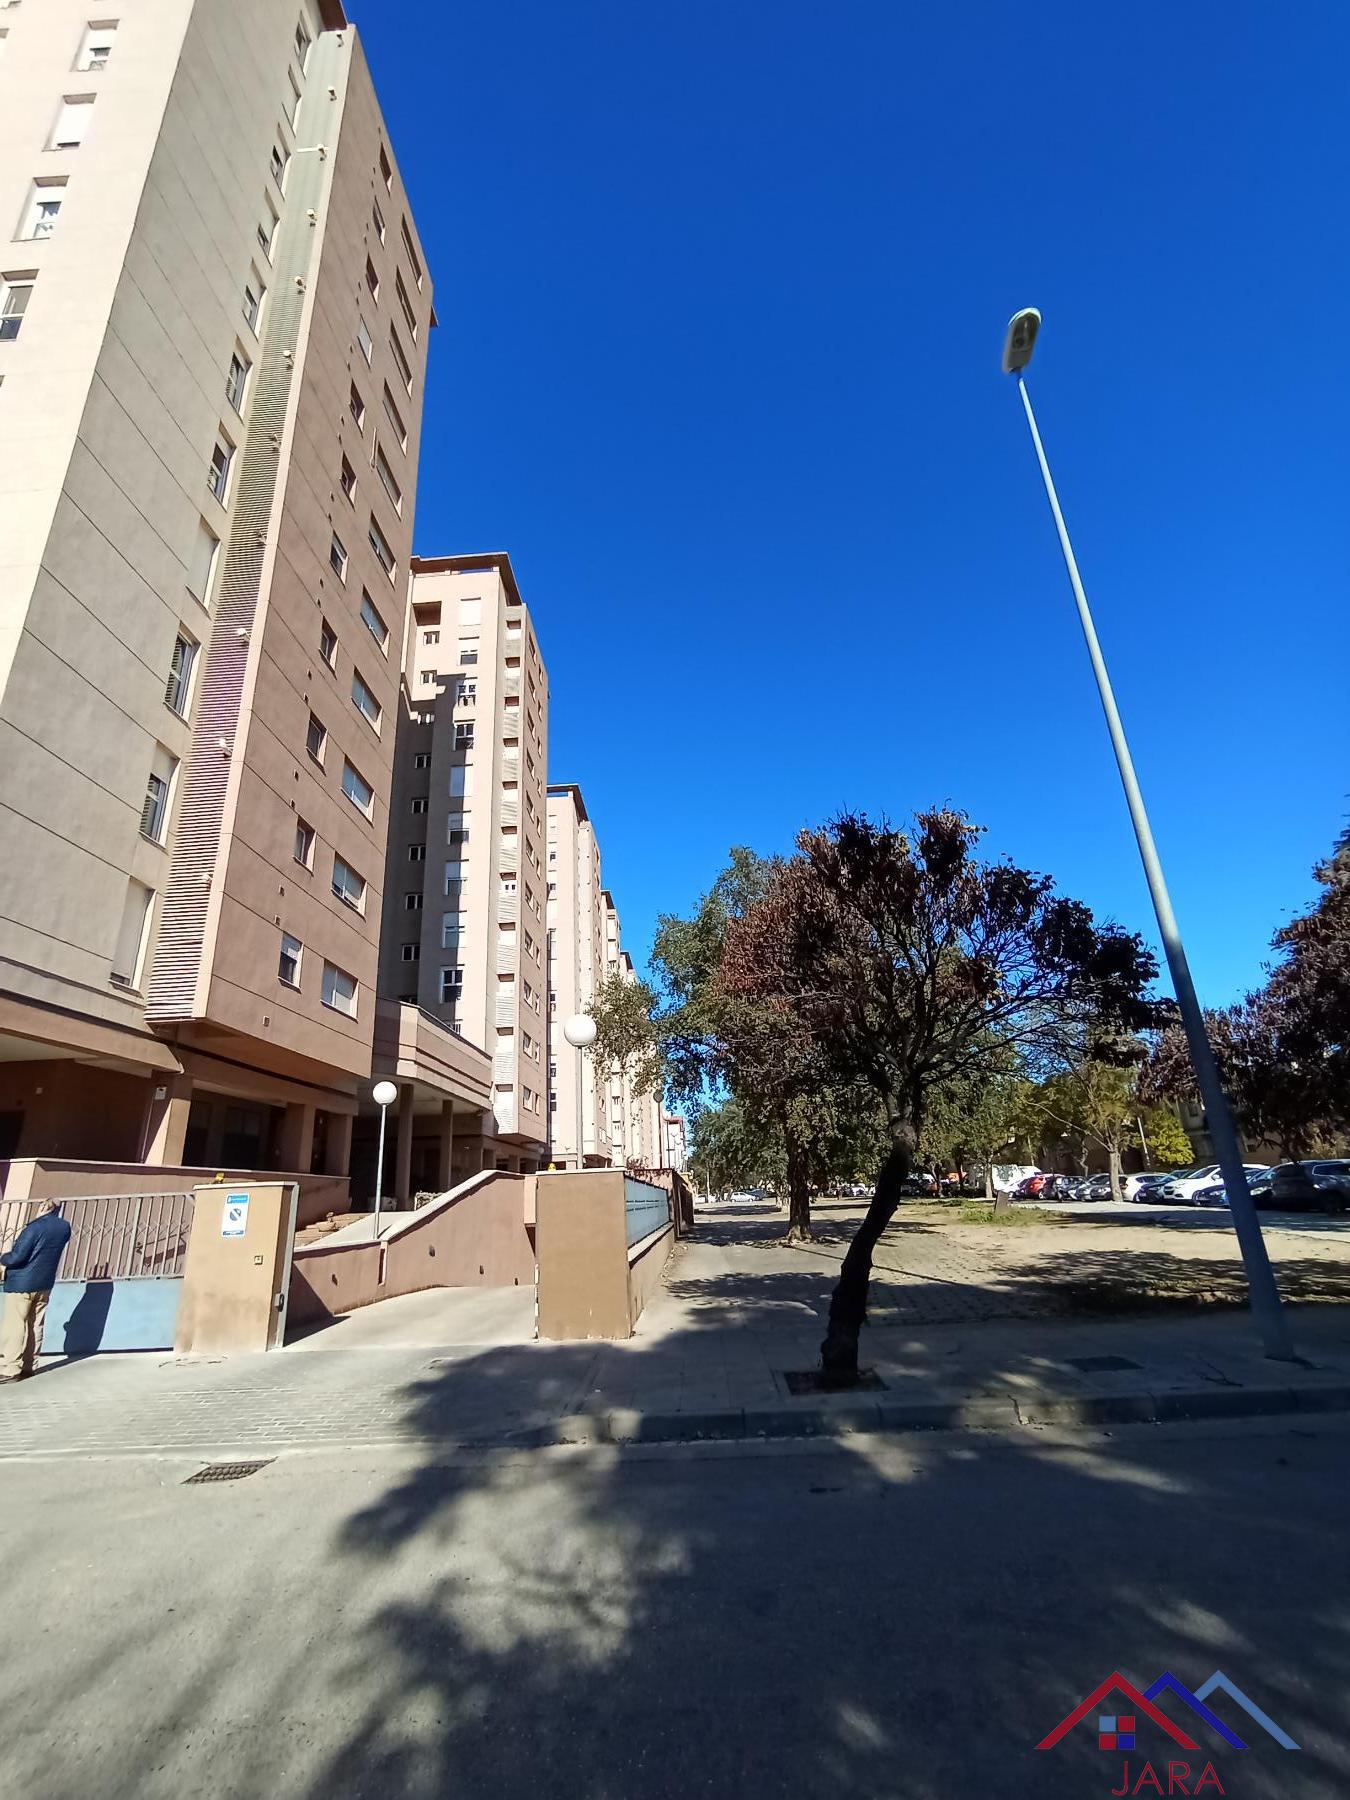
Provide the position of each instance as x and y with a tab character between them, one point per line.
114	1237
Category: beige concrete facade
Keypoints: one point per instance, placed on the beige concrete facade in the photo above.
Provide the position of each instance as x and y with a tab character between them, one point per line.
576	973
464	898
210	411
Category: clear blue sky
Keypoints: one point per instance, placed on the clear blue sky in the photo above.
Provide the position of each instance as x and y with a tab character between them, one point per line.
722	288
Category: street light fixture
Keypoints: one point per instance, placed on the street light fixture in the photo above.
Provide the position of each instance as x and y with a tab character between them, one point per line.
1267	1311
384	1094
580	1033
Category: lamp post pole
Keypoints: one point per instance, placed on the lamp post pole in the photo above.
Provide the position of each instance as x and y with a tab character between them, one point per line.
1267	1309
384	1095
580	1034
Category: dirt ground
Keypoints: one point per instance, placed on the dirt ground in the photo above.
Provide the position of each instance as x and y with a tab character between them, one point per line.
934	1264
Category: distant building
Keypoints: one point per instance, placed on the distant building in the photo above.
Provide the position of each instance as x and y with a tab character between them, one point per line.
464	939
677	1142
576	973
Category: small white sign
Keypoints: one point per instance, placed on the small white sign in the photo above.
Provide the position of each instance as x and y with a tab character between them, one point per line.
234	1220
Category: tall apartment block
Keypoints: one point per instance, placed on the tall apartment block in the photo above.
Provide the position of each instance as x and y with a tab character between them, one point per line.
576	973
214	314
465	890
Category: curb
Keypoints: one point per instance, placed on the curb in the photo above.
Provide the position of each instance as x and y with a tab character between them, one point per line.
629	1425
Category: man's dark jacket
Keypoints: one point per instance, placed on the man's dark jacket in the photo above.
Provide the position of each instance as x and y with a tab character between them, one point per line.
30	1266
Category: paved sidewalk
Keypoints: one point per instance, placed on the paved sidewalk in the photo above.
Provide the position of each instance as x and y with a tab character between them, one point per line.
738	1313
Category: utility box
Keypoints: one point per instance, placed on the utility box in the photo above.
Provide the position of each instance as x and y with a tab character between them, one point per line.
238	1272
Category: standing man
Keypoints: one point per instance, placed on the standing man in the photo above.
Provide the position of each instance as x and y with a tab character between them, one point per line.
30	1267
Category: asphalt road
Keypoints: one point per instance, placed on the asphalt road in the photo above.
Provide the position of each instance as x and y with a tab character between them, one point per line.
902	1617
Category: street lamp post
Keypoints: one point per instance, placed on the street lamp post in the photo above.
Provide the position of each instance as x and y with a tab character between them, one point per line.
384	1095
1267	1310
580	1034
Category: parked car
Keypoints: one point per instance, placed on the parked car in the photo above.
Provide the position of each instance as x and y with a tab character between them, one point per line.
1320	1185
1181	1190
1144	1187
1096	1188
1030	1188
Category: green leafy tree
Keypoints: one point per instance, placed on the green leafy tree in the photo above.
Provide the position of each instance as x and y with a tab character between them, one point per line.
1168	1145
1099	1102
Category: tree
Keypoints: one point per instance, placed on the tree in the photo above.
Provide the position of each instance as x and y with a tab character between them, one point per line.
1168	1145
915	966
625	1038
727	1151
1098	1100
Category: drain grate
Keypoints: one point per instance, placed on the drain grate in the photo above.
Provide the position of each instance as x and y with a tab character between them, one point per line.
812	1381
227	1472
1101	1365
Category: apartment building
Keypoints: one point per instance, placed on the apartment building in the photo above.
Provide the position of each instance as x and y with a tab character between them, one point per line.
465	888
677	1142
576	973
634	1117
214	316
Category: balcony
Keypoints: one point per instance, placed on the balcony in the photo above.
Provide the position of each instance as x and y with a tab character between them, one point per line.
507	952
508	908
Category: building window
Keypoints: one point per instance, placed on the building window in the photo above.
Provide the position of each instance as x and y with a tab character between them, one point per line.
237	382
129	956
267	229
292	102
401	359
302	41
374	624
279	162
379	544
365	702
387	481
412	952
409	315
464	735
364	340
553	1103
452	986
419	807
337	557
43	210
348	885
466	693
429	677
431	637
413	263
72	121
413	902
158	791
454	881
377	219
386	173
358	407
452	929
395	418
253	299
339	990
14	298
468	655
357	789
96	48
288	964
178	688
348	480
372	283
218	475
328	643
459	781
304	843
417	853
456	829
422	760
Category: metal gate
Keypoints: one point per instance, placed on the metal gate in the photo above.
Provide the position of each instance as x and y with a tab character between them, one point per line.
121	1278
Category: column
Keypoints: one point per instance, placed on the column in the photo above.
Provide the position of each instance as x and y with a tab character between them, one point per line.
338	1156
446	1174
167	1121
403	1160
295	1143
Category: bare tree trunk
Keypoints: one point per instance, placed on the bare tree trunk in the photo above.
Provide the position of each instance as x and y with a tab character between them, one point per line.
848	1305
799	1193
1113	1164
989	1181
